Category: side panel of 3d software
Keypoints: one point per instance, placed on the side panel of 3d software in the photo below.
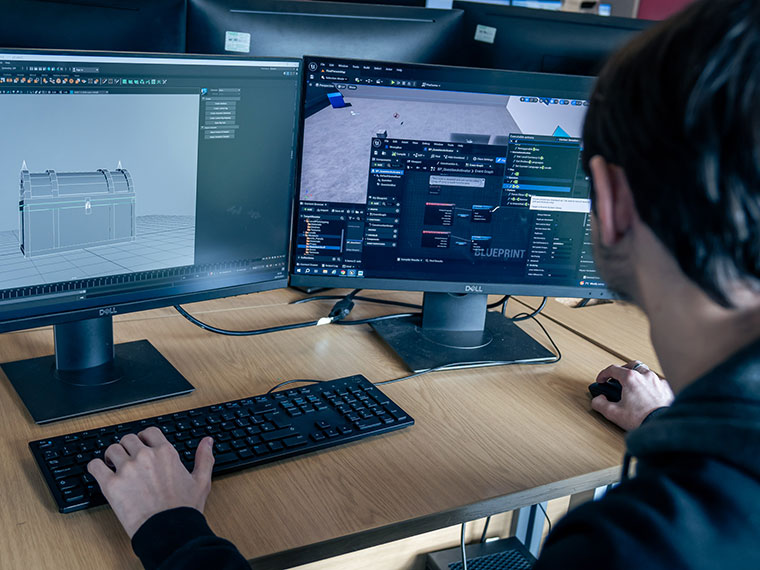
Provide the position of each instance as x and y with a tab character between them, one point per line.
108	187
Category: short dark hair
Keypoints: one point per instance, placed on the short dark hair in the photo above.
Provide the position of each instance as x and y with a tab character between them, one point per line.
678	109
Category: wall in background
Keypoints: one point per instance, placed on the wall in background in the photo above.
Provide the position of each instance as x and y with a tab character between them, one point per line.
660	9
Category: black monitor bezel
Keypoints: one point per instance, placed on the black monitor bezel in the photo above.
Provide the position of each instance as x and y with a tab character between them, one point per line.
68	311
303	280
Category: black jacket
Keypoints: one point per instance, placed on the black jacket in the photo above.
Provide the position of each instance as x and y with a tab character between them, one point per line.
694	502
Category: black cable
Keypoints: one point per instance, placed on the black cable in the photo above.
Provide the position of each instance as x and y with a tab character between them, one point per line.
281	384
526	316
357	298
548	520
464	553
583	303
376	319
485	530
216	330
502	301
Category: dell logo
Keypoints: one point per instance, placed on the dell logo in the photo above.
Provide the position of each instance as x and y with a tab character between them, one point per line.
473	289
107	312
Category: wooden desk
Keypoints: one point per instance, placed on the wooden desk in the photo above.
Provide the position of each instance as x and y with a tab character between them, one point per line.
620	328
485	441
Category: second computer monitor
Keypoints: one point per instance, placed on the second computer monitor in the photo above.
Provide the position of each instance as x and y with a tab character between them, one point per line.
443	180
294	28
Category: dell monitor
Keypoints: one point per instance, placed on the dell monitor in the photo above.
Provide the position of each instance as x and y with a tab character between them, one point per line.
293	28
130	182
112	25
456	182
522	39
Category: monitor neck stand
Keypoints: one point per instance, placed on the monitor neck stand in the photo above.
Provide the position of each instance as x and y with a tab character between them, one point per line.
457	330
89	374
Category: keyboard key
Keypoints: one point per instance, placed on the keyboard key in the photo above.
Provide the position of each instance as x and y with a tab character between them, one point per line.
367	423
318	436
225	458
277	434
295	441
70	471
275	445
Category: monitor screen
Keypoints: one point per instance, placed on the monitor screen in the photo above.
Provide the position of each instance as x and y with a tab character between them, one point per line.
295	28
114	25
443	179
133	181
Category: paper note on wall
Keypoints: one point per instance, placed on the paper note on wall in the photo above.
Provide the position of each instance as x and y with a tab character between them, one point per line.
485	34
237	41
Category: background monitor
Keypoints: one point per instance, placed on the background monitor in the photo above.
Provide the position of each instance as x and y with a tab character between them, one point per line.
111	25
449	181
296	28
522	39
130	182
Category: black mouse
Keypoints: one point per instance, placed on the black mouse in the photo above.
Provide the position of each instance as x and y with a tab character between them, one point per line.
611	389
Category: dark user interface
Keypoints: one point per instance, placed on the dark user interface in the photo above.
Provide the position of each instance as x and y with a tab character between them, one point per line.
441	184
143	174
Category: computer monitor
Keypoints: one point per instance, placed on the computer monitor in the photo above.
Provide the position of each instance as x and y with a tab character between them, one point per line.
452	181
113	25
130	182
522	39
295	28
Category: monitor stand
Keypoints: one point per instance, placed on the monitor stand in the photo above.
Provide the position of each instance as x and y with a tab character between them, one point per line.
89	374
457	329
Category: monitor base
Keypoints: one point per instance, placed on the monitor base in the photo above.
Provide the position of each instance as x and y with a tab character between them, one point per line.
420	350
139	373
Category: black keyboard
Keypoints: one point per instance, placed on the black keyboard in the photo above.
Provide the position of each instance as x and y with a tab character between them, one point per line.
247	432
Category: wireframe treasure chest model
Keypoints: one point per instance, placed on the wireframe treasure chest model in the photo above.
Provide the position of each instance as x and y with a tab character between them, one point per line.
64	211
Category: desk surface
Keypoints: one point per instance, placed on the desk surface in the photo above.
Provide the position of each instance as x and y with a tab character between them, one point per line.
620	328
485	440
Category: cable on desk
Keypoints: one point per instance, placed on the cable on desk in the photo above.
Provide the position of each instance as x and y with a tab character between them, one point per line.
376	319
548	520
481	363
485	530
526	316
213	329
461	545
357	298
502	301
281	384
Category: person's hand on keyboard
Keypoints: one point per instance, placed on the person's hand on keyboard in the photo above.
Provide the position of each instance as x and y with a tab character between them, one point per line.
148	477
642	393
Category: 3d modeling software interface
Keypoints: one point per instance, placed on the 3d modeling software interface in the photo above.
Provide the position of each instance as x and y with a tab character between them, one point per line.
418	174
122	170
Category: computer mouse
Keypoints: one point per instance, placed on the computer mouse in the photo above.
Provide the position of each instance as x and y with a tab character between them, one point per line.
611	389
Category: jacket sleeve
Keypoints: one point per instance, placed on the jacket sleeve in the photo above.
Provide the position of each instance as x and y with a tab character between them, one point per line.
181	538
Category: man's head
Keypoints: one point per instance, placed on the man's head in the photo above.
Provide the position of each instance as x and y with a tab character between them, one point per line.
672	139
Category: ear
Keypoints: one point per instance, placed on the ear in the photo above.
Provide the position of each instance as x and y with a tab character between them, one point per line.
614	204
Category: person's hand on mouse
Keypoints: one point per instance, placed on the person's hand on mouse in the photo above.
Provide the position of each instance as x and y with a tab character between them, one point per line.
642	392
149	477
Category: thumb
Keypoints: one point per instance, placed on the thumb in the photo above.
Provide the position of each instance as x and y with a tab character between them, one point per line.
602	405
204	460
